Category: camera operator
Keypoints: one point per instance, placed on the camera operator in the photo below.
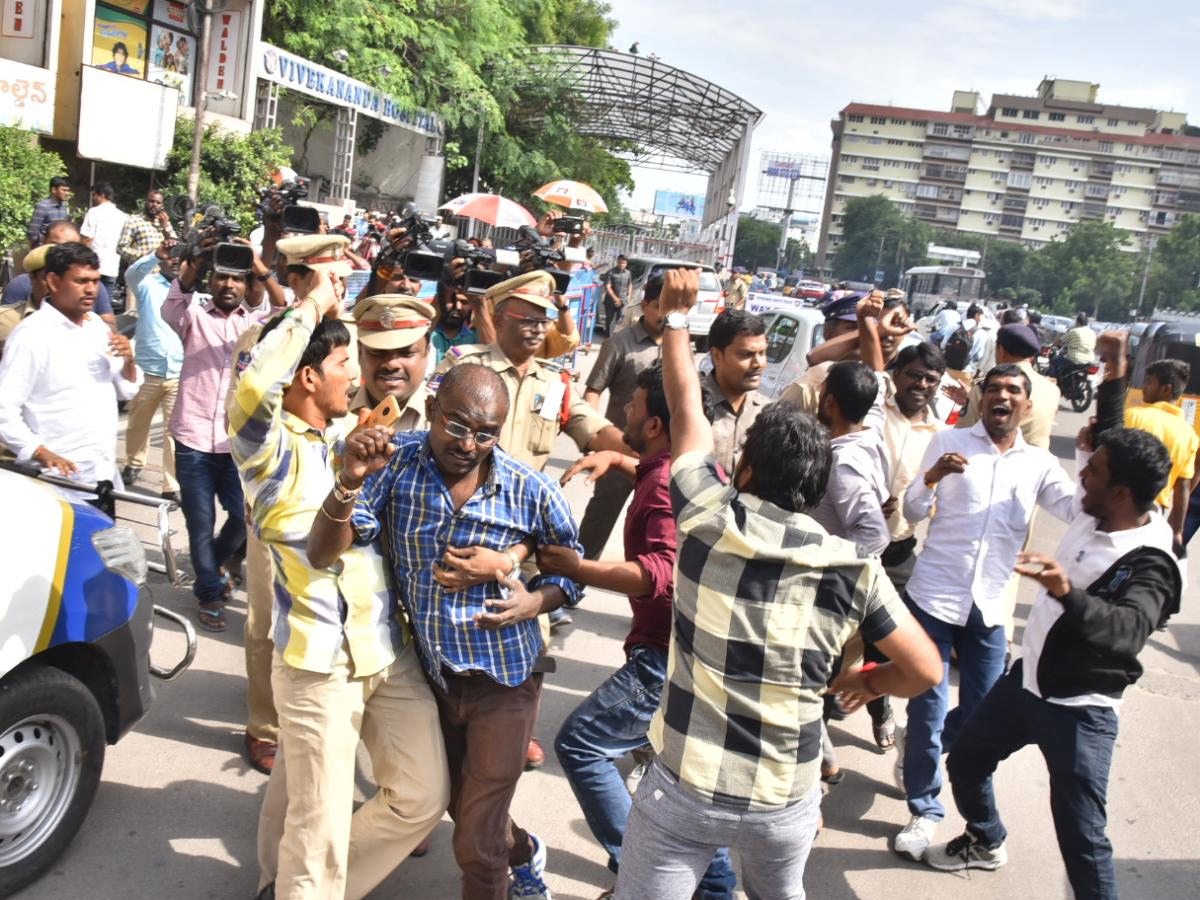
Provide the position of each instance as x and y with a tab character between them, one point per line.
387	268
209	326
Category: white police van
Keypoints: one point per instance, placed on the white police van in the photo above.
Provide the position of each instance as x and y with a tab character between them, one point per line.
76	623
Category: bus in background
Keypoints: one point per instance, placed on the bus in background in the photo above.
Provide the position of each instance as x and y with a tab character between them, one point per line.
928	286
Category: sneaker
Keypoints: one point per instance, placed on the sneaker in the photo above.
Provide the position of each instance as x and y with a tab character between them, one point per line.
916	837
129	474
898	765
966	852
527	882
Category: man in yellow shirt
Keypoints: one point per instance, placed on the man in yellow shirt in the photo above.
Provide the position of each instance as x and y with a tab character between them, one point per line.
1162	417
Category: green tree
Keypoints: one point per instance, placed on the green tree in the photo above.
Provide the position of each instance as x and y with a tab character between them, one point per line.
467	61
799	254
1004	264
25	173
1175	272
1088	271
232	168
757	243
878	235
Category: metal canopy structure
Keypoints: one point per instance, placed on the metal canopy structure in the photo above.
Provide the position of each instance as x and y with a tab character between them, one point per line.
678	120
675	120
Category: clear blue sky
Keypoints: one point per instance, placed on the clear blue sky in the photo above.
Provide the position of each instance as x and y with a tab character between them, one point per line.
801	61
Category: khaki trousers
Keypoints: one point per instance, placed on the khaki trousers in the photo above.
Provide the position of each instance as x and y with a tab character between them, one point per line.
309	843
155	393
261	721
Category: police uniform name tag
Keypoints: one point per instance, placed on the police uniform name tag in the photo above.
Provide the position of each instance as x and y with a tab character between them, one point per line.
552	404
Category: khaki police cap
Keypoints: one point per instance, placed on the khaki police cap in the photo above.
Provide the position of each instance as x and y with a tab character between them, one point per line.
392	321
894	294
533	287
323	252
36	259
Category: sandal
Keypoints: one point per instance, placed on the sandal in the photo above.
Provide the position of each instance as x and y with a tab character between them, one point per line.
834	777
261	754
885	733
211	619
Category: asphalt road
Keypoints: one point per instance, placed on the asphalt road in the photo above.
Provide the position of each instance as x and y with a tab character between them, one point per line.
176	814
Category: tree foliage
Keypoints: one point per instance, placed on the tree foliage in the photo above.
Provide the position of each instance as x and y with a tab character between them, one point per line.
1175	271
1087	271
465	60
879	236
232	167
25	173
757	246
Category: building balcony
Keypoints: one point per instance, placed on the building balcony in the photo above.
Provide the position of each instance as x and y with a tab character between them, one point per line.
939	172
1021	160
942	151
1101	171
1015	204
1092	211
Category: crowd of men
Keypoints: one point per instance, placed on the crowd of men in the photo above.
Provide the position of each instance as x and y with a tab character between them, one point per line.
379	463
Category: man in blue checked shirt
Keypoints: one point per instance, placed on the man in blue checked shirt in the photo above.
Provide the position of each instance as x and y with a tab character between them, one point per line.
481	646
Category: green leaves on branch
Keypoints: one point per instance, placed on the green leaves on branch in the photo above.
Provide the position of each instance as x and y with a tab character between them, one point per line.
25	173
757	246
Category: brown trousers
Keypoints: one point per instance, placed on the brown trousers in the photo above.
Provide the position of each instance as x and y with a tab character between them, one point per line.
486	727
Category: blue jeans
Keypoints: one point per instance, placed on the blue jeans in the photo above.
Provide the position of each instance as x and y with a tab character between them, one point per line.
1077	744
205	478
931	730
610	723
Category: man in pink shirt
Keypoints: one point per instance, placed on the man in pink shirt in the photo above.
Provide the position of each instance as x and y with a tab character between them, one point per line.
209	326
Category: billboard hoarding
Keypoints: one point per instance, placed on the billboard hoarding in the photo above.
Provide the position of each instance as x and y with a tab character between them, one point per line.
678	204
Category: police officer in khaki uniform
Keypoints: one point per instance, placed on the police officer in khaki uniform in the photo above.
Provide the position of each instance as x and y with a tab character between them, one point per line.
12	315
538	395
393	352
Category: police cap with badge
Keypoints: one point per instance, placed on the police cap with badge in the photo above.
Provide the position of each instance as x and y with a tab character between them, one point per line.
321	252
392	321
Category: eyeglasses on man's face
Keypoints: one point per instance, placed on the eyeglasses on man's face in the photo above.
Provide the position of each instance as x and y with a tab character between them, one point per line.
461	432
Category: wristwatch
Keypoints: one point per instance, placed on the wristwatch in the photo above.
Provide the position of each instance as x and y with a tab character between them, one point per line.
676	321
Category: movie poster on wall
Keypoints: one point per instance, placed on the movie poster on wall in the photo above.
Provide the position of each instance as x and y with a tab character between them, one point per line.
119	43
172	56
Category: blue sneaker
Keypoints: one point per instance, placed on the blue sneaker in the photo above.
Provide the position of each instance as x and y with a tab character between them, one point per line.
527	883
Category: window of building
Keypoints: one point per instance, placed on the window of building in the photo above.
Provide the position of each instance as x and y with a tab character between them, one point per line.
1132	123
1106	146
892	142
853	139
940	128
1010	111
1030	114
855	118
889	184
1085	120
871	182
892	163
962	130
1012	221
846	179
1113	123
1027	137
874	140
899	121
1129	148
1058	117
158	45
1019	179
878	120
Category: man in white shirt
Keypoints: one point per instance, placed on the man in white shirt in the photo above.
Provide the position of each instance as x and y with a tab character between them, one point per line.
101	231
1117	581
63	371
985	481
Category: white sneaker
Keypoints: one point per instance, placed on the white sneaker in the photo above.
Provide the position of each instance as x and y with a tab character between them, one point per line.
916	837
898	765
966	852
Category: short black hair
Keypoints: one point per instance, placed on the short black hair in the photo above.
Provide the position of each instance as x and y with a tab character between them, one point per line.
61	257
1173	372
650	380
58	225
653	289
1008	370
788	453
326	337
103	189
732	324
930	355
1137	460
1012	317
974	310
59	181
622	256
854	387
1081	319
120	45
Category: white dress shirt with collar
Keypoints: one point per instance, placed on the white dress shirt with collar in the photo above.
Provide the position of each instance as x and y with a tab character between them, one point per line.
59	386
980	519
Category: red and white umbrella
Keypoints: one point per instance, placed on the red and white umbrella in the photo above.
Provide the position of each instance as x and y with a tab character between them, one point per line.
572	195
490	208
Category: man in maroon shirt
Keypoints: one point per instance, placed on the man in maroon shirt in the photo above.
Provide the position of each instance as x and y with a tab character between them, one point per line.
612	722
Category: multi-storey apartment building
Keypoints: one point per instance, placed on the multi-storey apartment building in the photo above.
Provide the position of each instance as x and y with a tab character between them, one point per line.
1026	170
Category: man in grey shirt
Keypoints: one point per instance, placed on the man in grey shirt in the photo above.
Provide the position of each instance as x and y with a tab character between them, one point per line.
737	343
857	490
623	357
617	288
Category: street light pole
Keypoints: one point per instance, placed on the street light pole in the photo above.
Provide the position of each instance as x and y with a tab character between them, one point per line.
475	174
783	225
1145	273
205	14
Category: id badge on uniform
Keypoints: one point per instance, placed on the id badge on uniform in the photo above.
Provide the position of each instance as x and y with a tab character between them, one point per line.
552	404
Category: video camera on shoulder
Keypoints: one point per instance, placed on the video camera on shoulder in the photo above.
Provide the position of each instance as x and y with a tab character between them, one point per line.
546	255
297	219
291	192
212	227
232	259
568	225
